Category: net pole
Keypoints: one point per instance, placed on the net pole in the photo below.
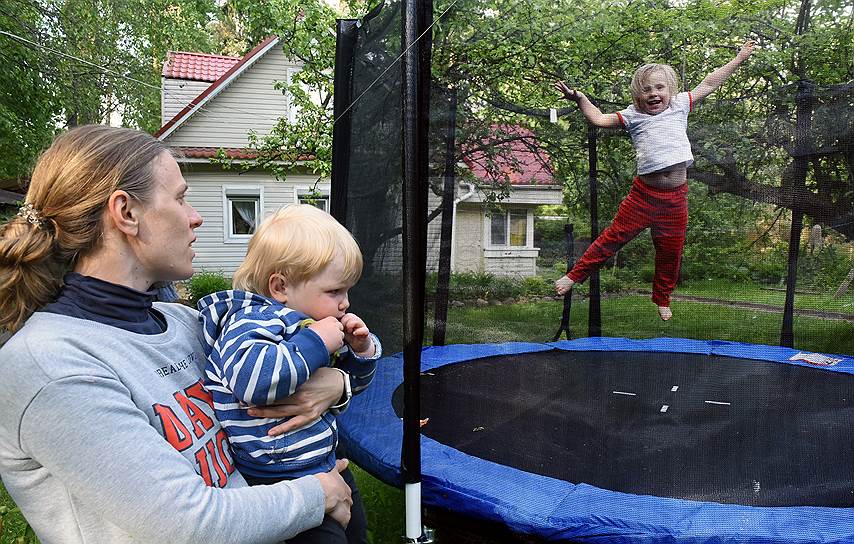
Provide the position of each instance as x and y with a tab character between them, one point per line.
803	126
594	316
415	110
345	41
443	278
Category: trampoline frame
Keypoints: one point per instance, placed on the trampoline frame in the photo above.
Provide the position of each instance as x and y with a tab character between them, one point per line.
556	510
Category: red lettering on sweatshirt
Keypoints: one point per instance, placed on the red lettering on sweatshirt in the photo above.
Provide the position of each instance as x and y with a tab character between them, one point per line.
224	452
222	478
204	468
174	431
200	421
198	391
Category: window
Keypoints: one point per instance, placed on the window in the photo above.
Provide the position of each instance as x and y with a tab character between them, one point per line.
242	212
316	195
509	228
321	202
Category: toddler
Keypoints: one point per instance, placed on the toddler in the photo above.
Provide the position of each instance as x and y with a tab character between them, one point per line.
287	317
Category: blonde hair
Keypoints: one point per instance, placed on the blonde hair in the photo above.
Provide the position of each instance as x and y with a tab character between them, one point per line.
67	196
297	241
643	73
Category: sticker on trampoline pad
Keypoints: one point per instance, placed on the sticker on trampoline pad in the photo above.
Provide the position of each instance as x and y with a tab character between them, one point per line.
815	359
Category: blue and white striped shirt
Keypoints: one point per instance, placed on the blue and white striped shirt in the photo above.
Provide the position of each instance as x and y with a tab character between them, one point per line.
259	352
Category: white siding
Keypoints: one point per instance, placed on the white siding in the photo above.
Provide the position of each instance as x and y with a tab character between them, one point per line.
176	94
214	252
249	103
468	239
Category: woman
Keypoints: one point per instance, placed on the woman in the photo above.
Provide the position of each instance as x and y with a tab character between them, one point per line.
106	433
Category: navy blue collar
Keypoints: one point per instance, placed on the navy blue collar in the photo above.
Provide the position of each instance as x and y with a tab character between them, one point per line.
116	305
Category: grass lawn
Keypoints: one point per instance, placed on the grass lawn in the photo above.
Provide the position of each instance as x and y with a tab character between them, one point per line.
751	292
629	316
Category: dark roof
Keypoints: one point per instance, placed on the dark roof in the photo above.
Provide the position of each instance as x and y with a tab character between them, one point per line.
519	157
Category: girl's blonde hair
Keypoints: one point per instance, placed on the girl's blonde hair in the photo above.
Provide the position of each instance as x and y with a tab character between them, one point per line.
297	241
643	73
68	193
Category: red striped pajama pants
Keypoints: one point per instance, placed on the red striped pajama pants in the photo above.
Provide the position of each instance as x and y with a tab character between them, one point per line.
665	212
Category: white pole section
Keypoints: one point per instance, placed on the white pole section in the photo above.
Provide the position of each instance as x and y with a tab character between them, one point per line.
412	494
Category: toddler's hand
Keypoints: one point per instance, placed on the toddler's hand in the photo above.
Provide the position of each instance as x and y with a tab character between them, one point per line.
331	331
570	94
356	334
746	50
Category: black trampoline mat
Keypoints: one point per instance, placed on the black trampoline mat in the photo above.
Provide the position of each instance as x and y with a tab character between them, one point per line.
679	425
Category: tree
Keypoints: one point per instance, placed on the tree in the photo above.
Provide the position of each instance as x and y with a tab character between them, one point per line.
74	62
501	56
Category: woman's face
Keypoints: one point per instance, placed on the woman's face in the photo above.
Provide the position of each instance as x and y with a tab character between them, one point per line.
166	225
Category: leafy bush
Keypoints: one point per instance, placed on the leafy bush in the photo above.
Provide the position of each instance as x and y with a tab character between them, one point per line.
537	286
205	283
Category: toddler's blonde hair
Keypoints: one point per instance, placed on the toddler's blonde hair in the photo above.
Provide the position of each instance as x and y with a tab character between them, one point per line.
641	75
297	241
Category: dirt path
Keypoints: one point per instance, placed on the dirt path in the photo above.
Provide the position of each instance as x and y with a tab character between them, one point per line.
761	307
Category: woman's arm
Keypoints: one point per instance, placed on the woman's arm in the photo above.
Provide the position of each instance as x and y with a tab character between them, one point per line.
717	78
314	397
593	114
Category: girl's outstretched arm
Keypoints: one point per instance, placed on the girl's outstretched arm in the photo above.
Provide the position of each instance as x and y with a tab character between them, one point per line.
591	112
717	78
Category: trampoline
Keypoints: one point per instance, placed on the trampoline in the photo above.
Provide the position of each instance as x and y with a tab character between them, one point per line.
617	440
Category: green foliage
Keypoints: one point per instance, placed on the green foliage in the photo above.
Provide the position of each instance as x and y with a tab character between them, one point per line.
77	62
535	286
13	527
205	283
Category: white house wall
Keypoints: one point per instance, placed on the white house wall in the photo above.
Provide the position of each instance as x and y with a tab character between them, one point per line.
177	93
468	239
249	103
214	251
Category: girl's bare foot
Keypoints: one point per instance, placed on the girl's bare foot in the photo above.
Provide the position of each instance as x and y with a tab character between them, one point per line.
563	285
665	313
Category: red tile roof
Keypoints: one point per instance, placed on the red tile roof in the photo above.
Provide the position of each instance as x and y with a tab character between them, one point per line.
197	66
230	152
519	157
216	86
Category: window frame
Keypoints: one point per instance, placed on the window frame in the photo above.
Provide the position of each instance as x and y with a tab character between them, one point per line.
231	193
506	213
303	190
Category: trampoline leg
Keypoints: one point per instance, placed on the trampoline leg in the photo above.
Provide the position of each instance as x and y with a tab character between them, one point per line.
415	532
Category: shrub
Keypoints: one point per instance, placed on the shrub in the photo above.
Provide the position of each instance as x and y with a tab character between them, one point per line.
537	286
205	283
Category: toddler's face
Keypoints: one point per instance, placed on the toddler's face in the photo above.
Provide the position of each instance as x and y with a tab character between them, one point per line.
655	95
322	295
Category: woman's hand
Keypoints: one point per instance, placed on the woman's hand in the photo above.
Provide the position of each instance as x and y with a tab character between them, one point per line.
322	390
337	493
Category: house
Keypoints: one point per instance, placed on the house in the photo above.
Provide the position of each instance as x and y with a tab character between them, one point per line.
499	239
211	102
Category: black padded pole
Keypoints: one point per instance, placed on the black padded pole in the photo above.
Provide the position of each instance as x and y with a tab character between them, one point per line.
342	129
803	125
443	278
416	68
594	319
567	298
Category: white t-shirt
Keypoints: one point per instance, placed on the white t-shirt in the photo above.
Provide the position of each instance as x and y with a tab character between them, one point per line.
660	140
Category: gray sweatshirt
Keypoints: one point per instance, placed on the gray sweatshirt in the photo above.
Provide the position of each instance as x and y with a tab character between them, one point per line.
108	436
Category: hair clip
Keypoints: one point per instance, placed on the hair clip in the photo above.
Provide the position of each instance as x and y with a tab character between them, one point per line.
32	215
